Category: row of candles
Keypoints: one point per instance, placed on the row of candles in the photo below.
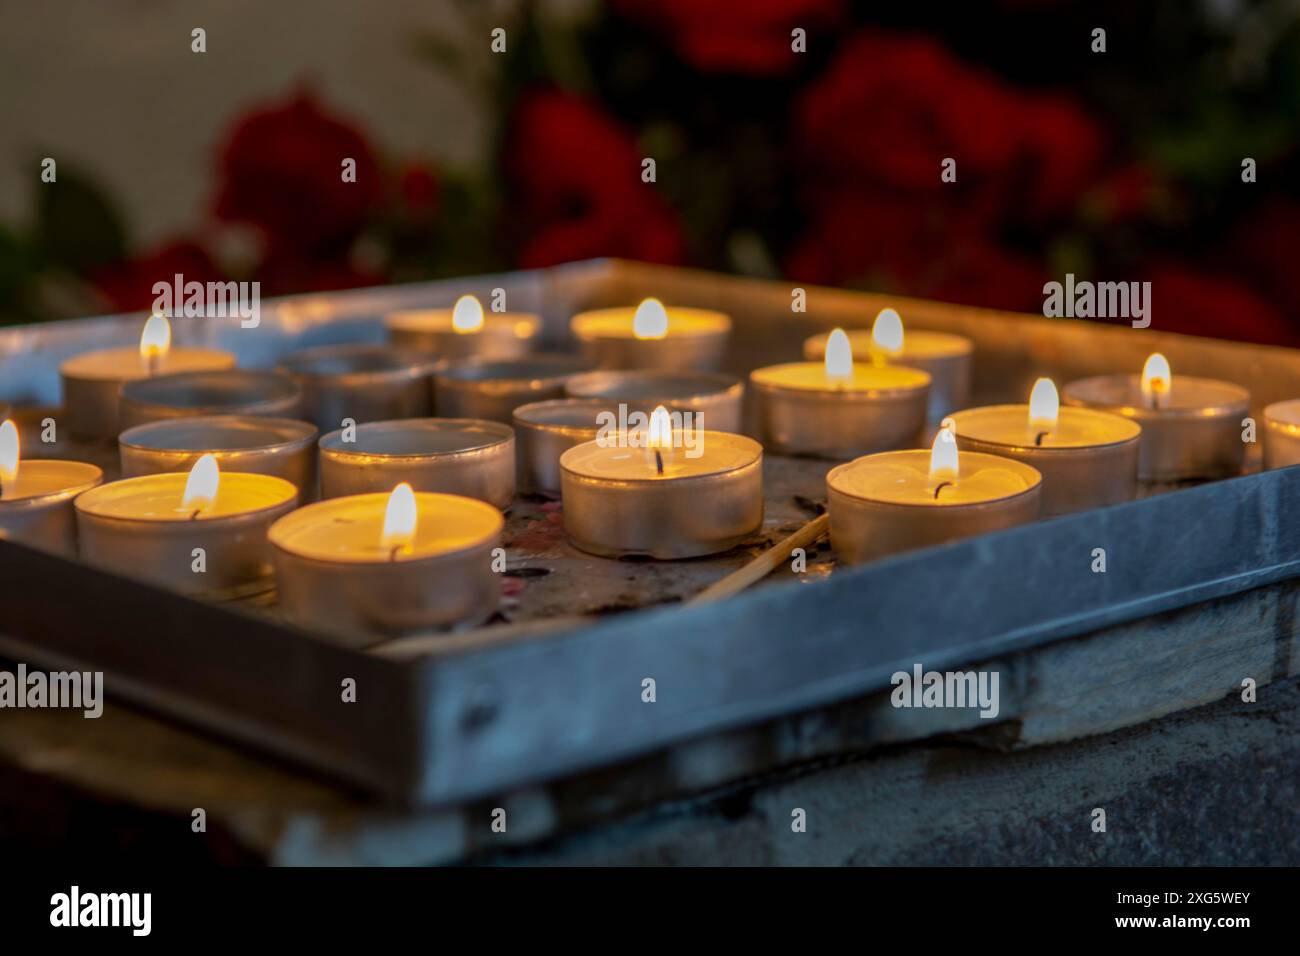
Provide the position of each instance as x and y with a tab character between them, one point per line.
219	481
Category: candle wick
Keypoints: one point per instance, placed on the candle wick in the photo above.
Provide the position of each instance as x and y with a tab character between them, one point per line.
1038	439
942	485
392	555
659	461
197	512
153	364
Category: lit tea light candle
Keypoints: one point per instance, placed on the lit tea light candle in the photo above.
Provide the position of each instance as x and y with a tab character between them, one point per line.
459	456
662	491
714	397
1281	437
653	336
465	330
388	563
944	356
1191	427
492	390
283	447
92	380
194	394
899	500
365	383
36	496
1088	458
839	408
200	533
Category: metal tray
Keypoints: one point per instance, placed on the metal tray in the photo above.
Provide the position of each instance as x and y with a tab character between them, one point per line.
556	687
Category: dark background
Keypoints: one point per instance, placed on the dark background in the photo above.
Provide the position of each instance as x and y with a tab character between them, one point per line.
821	167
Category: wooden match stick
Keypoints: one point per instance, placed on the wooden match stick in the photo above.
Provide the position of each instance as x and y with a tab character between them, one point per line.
764	564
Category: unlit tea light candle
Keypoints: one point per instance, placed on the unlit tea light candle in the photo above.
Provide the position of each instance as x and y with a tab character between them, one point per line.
715	398
1191	427
492	389
388	563
200	533
839	408
365	383
194	394
36	496
945	357
465	330
653	335
459	456
282	447
899	500
92	381
662	492
1087	458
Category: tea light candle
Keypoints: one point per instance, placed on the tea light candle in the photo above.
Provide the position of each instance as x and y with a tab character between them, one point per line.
283	447
92	380
652	336
1282	434
385	564
365	383
36	496
492	390
459	456
652	493
715	398
839	408
1191	427
944	356
191	394
201	533
899	500
1088	458
546	430
465	331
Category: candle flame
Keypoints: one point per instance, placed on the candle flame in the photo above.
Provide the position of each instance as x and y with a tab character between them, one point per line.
156	339
650	320
943	456
839	356
1044	406
467	315
659	431
399	519
202	484
1157	378
8	453
887	331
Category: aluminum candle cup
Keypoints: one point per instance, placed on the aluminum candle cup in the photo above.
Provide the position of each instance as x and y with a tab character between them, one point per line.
714	397
283	447
1088	458
465	331
365	383
546	430
140	527
1282	434
458	456
492	390
232	392
945	357
652	336
803	411
617	503
338	572
36	496
1191	428
893	501
92	382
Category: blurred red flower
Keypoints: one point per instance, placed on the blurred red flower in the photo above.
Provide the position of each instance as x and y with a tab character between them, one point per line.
734	36
281	170
418	191
128	286
1262	245
287	273
1197	303
576	181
